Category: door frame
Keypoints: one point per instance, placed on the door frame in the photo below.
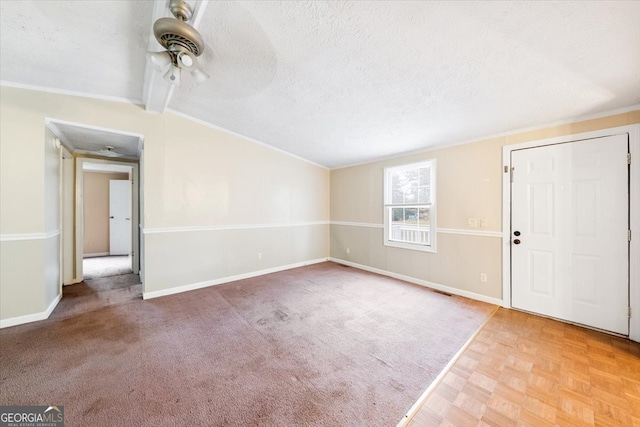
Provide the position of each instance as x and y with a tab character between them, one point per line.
79	209
67	186
634	211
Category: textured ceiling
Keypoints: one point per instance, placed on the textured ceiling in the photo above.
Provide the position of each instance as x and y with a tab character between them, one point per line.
92	47
89	140
342	82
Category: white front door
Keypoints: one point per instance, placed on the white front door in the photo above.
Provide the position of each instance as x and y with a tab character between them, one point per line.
119	217
569	232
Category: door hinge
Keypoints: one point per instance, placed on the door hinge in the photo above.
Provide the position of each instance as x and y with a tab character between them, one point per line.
628	158
506	169
512	170
629	235
629	312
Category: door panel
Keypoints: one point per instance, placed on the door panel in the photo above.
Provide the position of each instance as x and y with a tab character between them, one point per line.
541	281
570	205
119	217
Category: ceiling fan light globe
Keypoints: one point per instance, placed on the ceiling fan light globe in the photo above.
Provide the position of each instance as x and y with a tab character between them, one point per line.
159	60
186	60
199	76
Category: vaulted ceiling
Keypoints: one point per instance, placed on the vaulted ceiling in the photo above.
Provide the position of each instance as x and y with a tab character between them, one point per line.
344	82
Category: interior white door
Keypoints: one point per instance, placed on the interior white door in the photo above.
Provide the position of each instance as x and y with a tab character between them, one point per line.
119	217
569	232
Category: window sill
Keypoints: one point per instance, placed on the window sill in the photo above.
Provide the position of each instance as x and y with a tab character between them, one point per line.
410	246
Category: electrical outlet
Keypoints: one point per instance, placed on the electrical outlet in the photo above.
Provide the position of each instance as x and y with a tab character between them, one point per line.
472	222
483	277
484	223
348	250
259	255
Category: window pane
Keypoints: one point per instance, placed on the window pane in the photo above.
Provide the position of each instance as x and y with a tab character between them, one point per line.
411	194
405	187
423	216
423	194
410	225
397	215
411	215
397	187
425	176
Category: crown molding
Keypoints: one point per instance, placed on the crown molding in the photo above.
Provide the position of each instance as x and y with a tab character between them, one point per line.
438	146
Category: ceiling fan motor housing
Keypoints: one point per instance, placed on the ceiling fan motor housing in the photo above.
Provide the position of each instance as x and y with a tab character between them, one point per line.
182	42
178	36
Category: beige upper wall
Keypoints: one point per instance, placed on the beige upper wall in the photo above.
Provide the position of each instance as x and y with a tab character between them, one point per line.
231	180
194	175
469	177
51	183
22	130
96	210
468	185
21	161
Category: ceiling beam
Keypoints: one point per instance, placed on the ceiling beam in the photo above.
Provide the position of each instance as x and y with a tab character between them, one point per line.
156	91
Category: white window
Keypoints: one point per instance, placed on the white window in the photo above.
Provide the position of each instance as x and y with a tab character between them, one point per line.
409	206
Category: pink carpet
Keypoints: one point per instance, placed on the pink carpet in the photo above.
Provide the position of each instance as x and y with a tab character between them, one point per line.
323	345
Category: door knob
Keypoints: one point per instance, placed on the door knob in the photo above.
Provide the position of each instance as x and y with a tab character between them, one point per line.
516	233
516	242
110	217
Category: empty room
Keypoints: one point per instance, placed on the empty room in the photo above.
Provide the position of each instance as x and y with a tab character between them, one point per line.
319	213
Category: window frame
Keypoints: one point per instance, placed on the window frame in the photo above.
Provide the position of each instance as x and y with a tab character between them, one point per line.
387	206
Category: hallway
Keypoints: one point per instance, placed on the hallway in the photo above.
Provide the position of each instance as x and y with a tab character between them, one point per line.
108	281
104	266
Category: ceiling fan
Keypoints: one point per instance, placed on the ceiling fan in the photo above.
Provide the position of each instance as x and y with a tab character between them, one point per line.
182	42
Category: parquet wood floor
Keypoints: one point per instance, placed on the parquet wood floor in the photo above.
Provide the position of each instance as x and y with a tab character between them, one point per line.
526	370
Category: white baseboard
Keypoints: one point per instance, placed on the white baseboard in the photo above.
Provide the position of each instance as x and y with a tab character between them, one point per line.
436	286
28	318
97	254
214	282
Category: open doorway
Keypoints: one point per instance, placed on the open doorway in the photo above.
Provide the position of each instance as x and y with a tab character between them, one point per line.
105	189
107	209
106	268
100	194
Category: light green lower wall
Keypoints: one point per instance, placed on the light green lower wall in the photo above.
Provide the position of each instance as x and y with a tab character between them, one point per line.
29	276
52	269
22	270
458	262
183	257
